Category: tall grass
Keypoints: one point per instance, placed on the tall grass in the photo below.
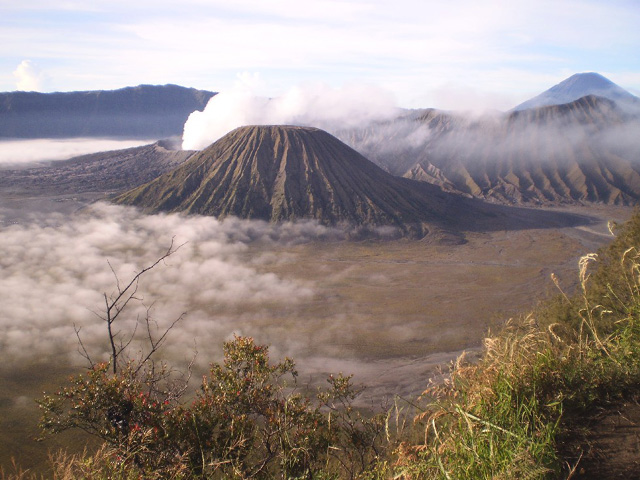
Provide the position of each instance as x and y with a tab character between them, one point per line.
501	418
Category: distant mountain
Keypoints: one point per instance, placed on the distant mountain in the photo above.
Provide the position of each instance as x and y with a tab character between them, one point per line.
578	86
584	151
145	111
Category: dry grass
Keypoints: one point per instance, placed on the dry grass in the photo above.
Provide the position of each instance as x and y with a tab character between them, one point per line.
501	417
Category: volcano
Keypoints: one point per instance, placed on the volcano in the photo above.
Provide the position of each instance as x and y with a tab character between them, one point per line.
581	152
578	86
278	173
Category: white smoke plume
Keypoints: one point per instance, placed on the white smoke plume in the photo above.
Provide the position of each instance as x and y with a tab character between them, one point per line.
315	105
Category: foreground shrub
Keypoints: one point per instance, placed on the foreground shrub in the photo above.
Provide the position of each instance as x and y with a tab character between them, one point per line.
498	418
246	421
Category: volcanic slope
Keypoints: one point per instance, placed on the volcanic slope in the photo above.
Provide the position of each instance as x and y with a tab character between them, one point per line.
112	171
584	151
278	173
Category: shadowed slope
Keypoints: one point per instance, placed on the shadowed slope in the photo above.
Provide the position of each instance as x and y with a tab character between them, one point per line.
145	111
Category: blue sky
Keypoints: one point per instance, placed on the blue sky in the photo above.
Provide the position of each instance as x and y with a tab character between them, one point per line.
446	54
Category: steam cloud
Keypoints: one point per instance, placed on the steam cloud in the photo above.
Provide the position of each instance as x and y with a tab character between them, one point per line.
316	105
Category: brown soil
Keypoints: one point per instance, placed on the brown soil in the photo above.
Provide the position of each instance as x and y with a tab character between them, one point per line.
606	445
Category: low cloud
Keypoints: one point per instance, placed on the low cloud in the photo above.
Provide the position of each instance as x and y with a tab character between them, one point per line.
458	141
56	271
18	152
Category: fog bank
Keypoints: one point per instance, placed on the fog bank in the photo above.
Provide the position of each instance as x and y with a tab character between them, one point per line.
20	152
56	271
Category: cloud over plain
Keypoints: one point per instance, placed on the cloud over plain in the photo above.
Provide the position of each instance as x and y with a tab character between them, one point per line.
56	271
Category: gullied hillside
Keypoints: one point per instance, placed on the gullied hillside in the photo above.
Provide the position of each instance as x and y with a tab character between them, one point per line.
145	111
284	173
584	151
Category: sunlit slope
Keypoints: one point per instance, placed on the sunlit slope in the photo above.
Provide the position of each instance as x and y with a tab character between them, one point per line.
111	171
564	153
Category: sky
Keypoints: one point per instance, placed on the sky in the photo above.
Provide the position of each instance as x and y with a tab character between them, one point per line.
453	54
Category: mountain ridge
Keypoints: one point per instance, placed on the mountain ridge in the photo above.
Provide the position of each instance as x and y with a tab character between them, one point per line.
288	173
145	111
278	173
584	151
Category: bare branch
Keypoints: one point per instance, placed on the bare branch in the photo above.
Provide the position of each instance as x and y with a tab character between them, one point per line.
114	353
155	345
115	275
116	304
124	346
82	349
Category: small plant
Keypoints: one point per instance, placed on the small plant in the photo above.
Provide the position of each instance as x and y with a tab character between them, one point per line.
246	420
498	418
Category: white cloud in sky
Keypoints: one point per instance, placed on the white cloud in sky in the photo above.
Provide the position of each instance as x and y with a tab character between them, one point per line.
316	105
412	47
28	77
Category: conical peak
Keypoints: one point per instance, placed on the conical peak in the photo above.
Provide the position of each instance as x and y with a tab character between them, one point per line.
578	86
276	128
583	83
290	172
